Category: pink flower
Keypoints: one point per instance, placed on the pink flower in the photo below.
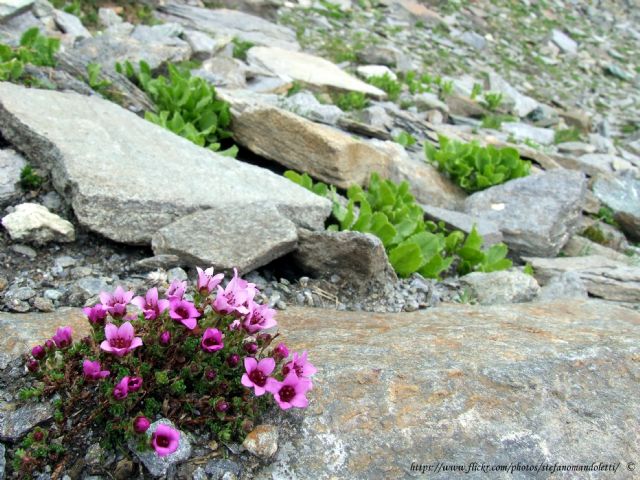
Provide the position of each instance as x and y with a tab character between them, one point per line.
184	312
134	384
165	440
300	365
260	317
212	340
281	351
176	290
96	314
121	390
92	370
290	392
165	338
116	303
120	340
141	424
150	305
207	281
62	338
235	296
38	352
257	375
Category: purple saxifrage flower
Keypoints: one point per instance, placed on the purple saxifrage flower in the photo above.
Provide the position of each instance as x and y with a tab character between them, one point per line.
165	440
300	365
93	370
120	340
290	392
212	340
207	281
62	338
184	312
235	296
134	384
176	290
150	305
121	390
38	352
96	314
260	317
257	375
116	303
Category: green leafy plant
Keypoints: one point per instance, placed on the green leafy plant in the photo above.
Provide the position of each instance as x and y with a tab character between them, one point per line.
388	84
474	167
446	88
495	120
606	215
29	179
186	105
405	139
240	48
94	80
567	135
418	84
476	91
307	182
492	100
34	48
351	101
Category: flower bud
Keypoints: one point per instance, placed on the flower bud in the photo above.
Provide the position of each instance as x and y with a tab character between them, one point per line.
281	351
32	365
211	375
233	360
38	352
250	348
165	338
141	424
38	435
222	406
49	344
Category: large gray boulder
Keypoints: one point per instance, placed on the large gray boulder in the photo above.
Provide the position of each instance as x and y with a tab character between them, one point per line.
553	382
536	214
126	178
622	195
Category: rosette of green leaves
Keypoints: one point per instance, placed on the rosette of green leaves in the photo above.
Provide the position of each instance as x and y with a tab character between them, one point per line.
474	167
34	48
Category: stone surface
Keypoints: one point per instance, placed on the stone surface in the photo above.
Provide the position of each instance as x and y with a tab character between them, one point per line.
367	71
3	462
309	70
206	238
107	17
579	246
307	105
351	255
519	103
496	288
564	42
453	220
536	214
202	45
603	277
166	176
622	195
71	25
230	23
9	8
555	382
33	223
523	131
11	164
223	72
20	332
564	285
262	441
156	465
17	421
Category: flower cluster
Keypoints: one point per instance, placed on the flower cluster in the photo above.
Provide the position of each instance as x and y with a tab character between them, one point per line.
202	358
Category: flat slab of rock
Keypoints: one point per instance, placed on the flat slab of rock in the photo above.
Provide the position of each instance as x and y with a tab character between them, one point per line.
536	214
524	131
453	220
497	288
310	70
207	238
9	8
555	382
148	177
622	195
34	223
230	23
519	104
603	277
11	164
20	332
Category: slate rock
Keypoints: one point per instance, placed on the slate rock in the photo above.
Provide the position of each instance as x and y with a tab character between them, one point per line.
206	238
223	72
453	220
565	285
524	131
10	8
148	176
156	465
307	105
564	42
17	421
70	24
520	104
536	214
202	45
497	288
3	462
158	261
107	17
622	195
11	164
33	223
549	381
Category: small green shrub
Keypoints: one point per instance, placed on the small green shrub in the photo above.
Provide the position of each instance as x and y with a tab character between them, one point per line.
474	167
351	101
34	48
387	84
405	139
240	48
495	121
492	100
446	88
567	135
186	105
476	91
417	84
606	215
29	179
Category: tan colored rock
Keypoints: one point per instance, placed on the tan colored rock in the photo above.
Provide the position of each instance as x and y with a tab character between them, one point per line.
262	441
34	223
309	70
579	246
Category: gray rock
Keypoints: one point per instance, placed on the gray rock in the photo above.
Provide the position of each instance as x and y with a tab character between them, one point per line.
473	40
546	381
52	200
10	8
230	23
156	465
107	17
307	105
218	468
43	304
524	131
262	236
3	462
602	277
576	148
521	105
90	286
368	71
497	288
70	24
11	164
351	255
379	55
223	72
579	246
33	223
564	285
24	250
453	220
536	214
167	176
564	42
622	195
158	261
377	117
202	45
21	293
177	273
14	423
429	101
